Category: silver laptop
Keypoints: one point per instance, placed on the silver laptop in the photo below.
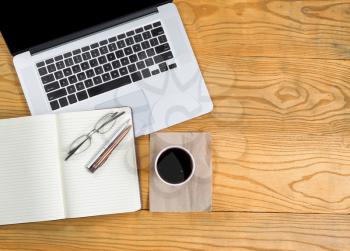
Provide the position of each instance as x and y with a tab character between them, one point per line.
103	55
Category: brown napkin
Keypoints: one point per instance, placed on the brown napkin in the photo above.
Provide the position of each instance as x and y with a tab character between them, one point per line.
196	194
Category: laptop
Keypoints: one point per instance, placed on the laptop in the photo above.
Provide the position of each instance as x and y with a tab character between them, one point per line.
85	57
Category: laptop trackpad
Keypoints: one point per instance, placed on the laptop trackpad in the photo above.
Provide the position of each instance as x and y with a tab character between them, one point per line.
140	107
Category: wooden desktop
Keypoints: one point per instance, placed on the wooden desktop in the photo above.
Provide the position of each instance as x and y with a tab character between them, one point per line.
278	73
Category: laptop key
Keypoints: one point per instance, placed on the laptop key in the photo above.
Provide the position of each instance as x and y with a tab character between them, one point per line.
116	64
49	61
54	105
102	60
129	41
149	62
56	94
145	45
163	57
98	70
157	32
69	62
136	76
139	30
86	56
103	42
71	89
141	65
150	52
132	68
162	39
63	102
93	46
115	74
72	99
90	73
163	67
146	35
146	73
107	67
112	47
125	61
121	36
103	50
95	53
76	68
42	71
48	78
72	79
138	38
112	39
59	75
157	24
60	65
82	95
123	71
108	86
137	48
172	66
81	76
85	48
133	58
67	55
58	58
121	44
155	72
64	82
111	56
142	55
85	66
76	52
106	77
93	62
162	48
88	83
130	33
51	68
52	86
97	80
40	64
80	86
128	51
119	54
148	27
67	72
154	41
77	59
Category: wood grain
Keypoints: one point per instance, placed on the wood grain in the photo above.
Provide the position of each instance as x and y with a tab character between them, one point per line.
269	28
278	73
202	231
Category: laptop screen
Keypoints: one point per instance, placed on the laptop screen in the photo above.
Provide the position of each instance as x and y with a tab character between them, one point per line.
37	22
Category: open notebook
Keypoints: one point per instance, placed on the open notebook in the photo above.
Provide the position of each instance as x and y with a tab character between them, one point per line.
36	184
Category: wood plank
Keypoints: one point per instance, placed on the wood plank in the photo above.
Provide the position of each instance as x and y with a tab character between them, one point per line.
302	29
209	231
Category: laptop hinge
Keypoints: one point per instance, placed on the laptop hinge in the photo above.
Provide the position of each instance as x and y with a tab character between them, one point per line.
91	30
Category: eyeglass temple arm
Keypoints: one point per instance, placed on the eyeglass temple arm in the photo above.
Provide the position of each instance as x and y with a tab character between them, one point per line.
71	152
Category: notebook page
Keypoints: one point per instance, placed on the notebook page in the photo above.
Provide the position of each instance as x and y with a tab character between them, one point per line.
114	188
30	182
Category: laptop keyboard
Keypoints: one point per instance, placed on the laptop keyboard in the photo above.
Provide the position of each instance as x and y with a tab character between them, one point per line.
107	65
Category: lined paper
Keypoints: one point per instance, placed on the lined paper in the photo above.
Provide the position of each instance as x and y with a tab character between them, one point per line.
30	182
114	188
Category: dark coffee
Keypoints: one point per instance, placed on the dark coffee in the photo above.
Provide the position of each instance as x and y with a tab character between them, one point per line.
174	165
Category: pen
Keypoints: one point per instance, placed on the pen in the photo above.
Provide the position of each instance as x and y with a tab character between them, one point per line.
107	150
